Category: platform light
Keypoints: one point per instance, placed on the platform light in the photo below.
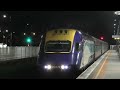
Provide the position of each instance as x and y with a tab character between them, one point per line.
33	33
1	46
24	33
117	38
5	45
6	30
4	16
117	13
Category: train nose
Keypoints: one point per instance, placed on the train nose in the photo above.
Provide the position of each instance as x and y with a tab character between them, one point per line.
51	62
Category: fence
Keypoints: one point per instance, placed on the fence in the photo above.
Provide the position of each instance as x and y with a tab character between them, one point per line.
115	47
9	53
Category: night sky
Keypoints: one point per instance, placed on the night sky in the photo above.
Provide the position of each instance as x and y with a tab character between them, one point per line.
96	23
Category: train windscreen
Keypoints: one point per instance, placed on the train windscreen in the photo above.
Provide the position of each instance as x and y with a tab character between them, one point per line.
58	46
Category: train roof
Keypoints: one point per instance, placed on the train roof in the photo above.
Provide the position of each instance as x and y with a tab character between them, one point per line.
86	35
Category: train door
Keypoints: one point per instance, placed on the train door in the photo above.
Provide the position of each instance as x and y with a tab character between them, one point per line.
78	55
88	53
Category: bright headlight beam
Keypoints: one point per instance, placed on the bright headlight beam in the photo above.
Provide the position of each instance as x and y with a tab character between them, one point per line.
64	67
47	67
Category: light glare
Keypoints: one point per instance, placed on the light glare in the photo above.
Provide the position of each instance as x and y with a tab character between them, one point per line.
64	67
47	67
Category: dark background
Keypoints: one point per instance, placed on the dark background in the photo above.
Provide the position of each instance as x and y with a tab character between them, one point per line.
96	23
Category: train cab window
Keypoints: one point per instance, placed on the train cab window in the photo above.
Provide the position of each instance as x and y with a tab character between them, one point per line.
58	46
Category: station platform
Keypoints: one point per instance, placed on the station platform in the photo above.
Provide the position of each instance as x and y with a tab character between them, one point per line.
106	67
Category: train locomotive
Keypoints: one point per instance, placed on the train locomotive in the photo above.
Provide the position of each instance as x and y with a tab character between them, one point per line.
68	49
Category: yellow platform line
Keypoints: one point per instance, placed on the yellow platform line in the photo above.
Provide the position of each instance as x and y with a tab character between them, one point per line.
102	65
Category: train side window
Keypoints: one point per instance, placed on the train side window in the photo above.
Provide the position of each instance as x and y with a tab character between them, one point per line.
77	46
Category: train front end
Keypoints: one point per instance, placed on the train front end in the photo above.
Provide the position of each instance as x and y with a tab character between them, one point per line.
57	50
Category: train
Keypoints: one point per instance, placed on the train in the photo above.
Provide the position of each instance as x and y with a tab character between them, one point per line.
69	49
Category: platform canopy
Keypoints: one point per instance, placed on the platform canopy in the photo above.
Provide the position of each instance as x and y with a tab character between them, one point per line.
116	37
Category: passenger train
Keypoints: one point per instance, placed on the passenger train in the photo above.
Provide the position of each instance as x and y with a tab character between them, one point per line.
68	49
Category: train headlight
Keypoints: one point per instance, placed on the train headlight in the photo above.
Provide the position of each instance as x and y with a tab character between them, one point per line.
47	67
64	67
